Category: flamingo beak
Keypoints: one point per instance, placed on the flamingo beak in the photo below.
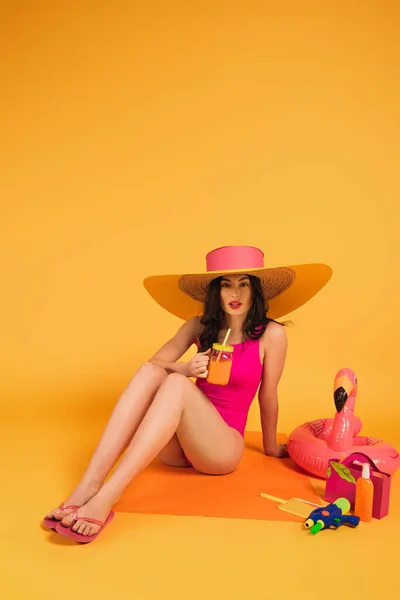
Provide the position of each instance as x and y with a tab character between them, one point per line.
340	396
342	390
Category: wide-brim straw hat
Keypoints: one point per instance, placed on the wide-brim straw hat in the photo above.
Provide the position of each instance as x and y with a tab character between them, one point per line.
285	288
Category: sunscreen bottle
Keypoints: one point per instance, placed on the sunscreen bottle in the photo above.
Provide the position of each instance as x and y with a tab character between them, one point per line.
364	494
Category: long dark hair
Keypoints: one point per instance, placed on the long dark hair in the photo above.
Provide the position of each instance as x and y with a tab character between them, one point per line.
213	317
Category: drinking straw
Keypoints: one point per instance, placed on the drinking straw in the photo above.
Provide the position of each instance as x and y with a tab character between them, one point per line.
223	343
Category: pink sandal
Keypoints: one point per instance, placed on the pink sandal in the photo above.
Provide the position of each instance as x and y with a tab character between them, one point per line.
51	522
78	537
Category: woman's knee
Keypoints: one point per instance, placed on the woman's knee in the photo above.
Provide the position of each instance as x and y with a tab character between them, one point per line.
176	380
152	371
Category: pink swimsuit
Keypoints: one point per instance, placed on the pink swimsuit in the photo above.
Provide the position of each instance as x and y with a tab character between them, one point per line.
233	401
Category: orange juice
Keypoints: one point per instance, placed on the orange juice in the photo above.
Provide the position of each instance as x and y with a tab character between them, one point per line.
219	366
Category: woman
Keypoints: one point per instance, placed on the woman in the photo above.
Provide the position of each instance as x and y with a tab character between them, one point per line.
163	412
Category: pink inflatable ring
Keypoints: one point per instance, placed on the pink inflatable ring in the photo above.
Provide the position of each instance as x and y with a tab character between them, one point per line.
313	444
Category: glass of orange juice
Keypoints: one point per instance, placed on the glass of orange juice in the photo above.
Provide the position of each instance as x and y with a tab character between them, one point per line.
219	366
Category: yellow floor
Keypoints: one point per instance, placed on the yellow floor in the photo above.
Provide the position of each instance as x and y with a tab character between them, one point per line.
155	557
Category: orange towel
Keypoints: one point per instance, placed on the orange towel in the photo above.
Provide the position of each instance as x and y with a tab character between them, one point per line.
160	489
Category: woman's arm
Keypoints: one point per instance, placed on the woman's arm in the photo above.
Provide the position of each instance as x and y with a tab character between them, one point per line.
172	350
275	345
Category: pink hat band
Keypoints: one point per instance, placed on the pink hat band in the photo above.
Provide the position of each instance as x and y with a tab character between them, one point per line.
230	258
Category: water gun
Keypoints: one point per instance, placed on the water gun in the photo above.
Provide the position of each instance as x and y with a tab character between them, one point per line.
331	516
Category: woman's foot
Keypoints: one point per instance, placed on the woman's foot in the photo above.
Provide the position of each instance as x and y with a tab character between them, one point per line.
81	494
97	508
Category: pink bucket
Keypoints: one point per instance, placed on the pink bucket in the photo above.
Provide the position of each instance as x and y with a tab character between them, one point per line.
342	478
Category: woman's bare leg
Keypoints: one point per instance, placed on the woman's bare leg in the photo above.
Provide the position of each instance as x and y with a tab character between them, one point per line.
173	454
179	406
124	421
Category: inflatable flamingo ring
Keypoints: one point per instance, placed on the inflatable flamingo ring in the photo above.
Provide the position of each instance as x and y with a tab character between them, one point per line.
313	444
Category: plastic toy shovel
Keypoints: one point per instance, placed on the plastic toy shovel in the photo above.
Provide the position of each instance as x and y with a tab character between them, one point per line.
294	506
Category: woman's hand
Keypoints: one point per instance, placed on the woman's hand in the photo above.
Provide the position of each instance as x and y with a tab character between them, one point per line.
198	365
278	451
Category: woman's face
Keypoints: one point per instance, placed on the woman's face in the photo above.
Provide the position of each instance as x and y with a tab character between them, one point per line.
236	296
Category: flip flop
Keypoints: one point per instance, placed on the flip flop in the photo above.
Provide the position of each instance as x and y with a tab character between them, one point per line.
77	537
51	522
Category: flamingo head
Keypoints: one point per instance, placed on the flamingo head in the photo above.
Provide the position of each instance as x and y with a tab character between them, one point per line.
345	389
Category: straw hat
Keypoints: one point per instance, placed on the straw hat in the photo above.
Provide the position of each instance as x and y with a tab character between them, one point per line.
285	288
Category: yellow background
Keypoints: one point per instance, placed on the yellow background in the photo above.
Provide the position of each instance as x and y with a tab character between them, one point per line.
138	136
